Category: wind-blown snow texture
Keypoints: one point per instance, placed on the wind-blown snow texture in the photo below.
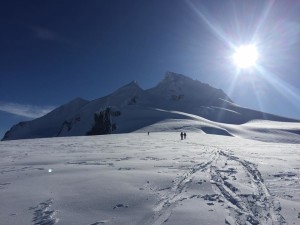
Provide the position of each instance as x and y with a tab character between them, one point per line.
175	97
154	179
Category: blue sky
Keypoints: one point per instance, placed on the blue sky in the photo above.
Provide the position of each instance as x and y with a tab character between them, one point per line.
54	51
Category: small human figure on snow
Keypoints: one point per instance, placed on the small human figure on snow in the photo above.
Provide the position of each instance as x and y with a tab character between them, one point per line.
148	132
184	134
181	135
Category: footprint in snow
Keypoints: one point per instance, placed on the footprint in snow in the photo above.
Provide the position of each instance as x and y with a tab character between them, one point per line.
2	185
43	214
100	222
126	168
120	206
283	174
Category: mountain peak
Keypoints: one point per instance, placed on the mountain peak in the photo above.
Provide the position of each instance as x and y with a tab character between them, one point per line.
132	85
171	76
180	88
78	100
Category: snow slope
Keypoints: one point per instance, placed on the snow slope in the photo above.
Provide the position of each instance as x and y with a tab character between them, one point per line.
157	179
140	108
260	130
47	125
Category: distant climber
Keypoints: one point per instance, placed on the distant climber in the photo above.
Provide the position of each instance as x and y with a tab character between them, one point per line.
148	132
181	135
184	135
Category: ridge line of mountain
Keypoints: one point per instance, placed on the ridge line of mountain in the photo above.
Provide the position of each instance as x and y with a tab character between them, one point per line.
130	108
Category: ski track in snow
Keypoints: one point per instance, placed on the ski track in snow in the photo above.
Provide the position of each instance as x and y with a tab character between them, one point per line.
177	193
43	214
254	207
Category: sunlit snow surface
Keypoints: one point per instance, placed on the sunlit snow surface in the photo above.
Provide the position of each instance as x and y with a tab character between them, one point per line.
146	179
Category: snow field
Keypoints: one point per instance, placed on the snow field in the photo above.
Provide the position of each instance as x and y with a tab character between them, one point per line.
157	179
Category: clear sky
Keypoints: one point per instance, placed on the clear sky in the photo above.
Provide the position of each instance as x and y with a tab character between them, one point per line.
52	51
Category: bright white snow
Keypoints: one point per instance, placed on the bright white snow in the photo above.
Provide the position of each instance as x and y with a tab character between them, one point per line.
155	179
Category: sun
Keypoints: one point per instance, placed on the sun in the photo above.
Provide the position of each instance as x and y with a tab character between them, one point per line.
245	56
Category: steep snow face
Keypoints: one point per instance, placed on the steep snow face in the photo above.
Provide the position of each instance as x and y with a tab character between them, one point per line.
179	88
184	94
130	101
130	94
47	125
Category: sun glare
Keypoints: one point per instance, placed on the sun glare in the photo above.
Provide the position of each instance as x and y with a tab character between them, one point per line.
245	56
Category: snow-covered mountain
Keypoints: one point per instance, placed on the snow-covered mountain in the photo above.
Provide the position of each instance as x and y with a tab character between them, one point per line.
130	108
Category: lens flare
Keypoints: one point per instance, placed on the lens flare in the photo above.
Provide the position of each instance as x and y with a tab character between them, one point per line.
245	56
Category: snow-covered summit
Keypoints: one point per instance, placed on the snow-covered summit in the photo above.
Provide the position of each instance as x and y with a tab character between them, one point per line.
131	108
171	76
179	87
130	87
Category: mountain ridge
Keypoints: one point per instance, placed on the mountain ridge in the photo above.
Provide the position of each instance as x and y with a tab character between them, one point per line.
131	108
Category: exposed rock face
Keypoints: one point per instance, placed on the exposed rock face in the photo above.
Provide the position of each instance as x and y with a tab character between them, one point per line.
103	122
